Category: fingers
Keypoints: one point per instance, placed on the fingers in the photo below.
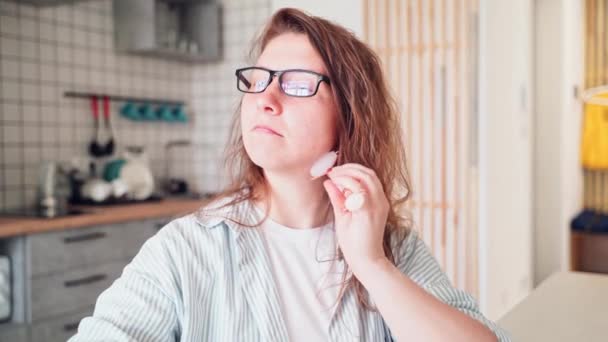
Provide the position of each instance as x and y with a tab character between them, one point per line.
335	196
346	184
366	178
354	166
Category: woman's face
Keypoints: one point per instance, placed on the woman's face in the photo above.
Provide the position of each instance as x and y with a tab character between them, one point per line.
307	126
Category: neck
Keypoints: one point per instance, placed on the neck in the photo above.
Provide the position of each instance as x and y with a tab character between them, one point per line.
296	201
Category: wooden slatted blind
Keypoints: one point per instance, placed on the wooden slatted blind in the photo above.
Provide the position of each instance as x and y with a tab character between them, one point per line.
424	47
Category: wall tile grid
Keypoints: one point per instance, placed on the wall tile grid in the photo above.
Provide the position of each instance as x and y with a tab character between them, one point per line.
45	51
214	84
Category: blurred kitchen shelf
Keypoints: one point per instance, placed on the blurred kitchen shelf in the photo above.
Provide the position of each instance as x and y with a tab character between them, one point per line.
49	2
33	212
152	199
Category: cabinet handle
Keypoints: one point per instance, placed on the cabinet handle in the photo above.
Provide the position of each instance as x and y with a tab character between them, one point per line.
70	326
85	237
86	280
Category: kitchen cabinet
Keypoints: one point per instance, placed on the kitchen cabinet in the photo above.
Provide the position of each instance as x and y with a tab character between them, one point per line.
58	275
59	328
49	2
14	332
188	31
65	292
65	250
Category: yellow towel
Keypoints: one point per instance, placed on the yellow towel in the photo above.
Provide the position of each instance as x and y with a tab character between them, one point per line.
594	146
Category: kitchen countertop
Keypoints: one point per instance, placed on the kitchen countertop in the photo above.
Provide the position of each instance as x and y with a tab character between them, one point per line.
14	226
568	306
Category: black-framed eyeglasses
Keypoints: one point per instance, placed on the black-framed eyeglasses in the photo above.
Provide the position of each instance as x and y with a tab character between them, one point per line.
293	82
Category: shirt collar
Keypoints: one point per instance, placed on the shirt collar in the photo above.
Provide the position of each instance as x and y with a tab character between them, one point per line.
219	211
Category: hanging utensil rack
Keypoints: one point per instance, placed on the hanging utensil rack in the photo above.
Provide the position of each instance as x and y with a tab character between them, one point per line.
120	98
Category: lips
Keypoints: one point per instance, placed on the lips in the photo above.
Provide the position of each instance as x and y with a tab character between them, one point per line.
266	129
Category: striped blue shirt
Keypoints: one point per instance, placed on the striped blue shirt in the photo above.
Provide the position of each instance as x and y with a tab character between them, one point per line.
205	278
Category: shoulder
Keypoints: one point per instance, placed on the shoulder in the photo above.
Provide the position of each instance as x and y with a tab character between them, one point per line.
204	233
171	240
181	246
209	215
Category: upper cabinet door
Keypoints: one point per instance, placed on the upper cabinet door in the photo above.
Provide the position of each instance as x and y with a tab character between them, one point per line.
49	2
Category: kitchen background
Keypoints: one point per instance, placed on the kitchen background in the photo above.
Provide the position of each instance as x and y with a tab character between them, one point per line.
46	51
493	93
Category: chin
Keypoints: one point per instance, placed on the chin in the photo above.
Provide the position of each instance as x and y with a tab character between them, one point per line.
264	157
275	163
278	158
266	162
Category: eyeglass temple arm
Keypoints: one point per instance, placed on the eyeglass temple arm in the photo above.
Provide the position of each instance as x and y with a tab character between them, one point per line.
243	79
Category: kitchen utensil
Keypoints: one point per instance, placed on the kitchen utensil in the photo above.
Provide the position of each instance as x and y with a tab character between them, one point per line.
138	178
96	188
165	113
179	114
147	112
130	111
175	183
112	169
53	190
137	174
95	148
108	148
177	186
119	188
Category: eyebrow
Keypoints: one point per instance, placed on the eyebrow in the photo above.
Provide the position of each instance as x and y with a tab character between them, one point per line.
291	68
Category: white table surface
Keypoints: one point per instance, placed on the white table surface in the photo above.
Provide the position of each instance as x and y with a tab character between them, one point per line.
568	306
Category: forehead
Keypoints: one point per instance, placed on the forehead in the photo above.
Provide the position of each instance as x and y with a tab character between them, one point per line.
291	51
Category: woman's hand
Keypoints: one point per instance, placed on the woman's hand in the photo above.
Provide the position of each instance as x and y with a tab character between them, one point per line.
360	232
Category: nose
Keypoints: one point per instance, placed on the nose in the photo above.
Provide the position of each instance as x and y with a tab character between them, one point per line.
268	101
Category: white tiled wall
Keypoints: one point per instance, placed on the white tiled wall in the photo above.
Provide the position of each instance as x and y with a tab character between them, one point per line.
45	51
214	84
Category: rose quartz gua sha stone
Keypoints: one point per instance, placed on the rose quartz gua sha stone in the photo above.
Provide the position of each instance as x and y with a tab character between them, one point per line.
354	201
323	164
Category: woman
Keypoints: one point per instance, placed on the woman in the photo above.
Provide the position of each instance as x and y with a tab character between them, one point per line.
277	257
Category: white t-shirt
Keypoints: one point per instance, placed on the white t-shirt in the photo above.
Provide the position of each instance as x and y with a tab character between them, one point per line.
306	277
